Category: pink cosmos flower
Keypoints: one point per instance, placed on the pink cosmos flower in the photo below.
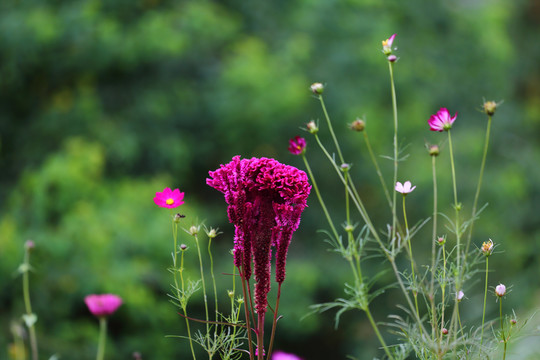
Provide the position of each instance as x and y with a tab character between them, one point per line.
280	355
441	121
169	198
387	45
297	145
265	200
460	295
103	305
500	290
404	188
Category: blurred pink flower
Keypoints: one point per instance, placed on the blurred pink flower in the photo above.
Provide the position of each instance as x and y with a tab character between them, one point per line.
297	145
169	198
500	290
441	121
103	305
387	45
280	355
404	188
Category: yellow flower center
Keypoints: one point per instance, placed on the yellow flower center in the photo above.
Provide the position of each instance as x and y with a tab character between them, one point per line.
385	42
169	201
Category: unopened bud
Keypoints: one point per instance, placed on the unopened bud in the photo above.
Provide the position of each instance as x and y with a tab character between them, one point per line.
240	300
29	245
194	230
513	321
349	228
230	293
459	295
392	58
434	150
500	290
317	88
441	240
212	233
445	331
312	127
345	167
490	107
358	125
183	247
178	217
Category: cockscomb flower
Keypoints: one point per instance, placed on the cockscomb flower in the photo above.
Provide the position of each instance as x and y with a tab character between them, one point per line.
169	198
500	290
297	145
103	305
387	45
404	188
487	247
280	355
441	121
265	200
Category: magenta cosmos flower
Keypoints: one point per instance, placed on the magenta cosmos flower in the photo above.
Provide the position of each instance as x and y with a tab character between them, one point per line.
404	188
280	355
103	305
297	145
265	200
441	121
387	45
169	198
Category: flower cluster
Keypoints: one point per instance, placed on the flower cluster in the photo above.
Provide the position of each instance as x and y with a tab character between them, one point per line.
265	200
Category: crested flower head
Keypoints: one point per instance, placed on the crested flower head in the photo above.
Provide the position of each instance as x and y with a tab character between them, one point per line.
387	45
487	247
280	355
265	200
169	198
441	121
500	290
103	305
297	145
404	188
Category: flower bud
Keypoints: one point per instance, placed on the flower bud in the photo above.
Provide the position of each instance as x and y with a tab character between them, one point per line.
500	290
358	125
194	230
392	58
444	331
487	248
211	233
230	293
345	167
441	240
317	88
490	107
513	321
349	228
29	245
183	247
312	127
178	217
459	295
434	150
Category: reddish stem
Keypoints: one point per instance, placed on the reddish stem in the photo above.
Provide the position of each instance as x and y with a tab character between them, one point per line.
274	323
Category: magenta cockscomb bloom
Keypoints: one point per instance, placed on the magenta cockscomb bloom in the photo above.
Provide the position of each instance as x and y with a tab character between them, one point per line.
280	355
297	145
169	198
441	121
103	305
404	188
265	200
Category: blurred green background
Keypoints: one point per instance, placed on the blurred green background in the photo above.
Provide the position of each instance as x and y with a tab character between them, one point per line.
103	103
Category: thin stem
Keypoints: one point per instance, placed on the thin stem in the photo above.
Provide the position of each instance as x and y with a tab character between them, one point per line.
247	311
102	338
274	323
477	194
415	292
443	290
184	304
28	305
331	129
378	169
433	248
485	298
379	336
216	310
396	150
502	328
204	290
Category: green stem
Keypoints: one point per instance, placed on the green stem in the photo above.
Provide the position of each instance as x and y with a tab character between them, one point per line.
247	313
480	177
396	150
28	304
204	291
213	282
485	298
377	168
414	290
331	129
433	248
502	327
377	332
102	338
274	323
443	290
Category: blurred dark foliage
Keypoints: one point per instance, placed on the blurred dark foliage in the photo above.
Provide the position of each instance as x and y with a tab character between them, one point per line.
103	103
